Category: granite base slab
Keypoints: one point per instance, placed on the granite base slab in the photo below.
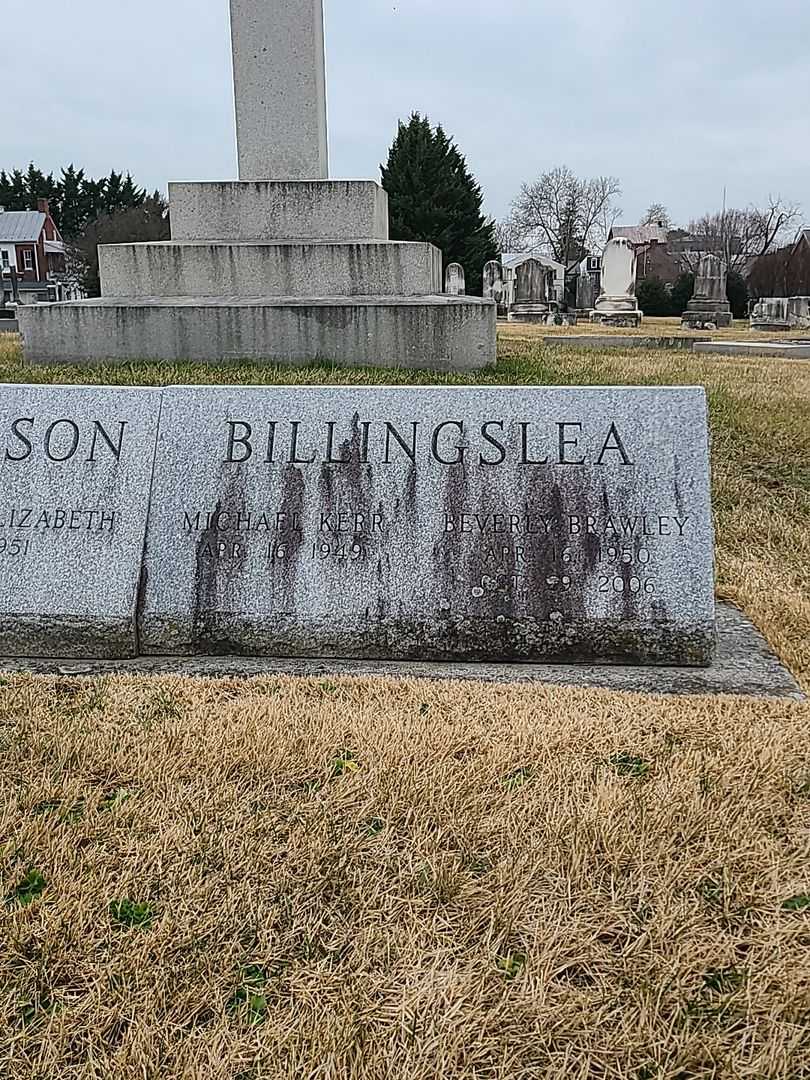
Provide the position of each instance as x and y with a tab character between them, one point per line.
438	333
744	665
780	349
9	326
706	319
619	341
618	318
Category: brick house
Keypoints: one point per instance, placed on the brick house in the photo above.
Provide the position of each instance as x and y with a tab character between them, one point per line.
784	272
664	253
31	246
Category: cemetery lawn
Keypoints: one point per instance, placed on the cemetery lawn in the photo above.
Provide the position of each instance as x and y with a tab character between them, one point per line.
359	879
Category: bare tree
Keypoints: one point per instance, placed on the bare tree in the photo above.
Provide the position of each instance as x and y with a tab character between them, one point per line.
564	215
741	236
508	238
657	214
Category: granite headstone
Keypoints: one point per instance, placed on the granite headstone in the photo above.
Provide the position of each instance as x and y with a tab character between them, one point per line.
709	308
439	523
531	303
75	470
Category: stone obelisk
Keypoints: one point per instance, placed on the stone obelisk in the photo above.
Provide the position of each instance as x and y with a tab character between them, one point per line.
283	265
279	74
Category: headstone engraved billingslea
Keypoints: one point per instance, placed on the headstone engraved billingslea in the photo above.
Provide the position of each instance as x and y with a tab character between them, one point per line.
75	469
438	523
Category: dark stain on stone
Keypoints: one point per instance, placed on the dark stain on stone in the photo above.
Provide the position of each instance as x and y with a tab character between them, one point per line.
679	503
213	573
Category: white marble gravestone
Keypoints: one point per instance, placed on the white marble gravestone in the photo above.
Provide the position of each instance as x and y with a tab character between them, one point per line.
454	283
494	288
617	304
284	265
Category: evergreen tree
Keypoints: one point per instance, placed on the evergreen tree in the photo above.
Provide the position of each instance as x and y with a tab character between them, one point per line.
433	197
72	209
38	186
682	292
737	290
653	298
13	195
75	200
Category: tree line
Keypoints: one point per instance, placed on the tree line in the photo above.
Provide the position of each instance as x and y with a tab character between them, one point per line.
108	210
75	198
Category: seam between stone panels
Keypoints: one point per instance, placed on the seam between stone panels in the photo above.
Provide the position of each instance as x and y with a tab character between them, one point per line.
140	597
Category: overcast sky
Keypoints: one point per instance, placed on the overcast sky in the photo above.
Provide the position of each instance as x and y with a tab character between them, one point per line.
678	98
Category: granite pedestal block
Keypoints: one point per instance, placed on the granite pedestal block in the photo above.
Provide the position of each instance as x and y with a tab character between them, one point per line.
432	523
74	495
442	333
315	268
279	210
529	313
706	319
617	311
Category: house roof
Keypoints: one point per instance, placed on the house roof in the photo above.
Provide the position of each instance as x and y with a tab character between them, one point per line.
641	234
21	226
512	259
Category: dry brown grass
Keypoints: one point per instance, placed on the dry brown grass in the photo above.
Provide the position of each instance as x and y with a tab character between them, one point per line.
359	880
9	348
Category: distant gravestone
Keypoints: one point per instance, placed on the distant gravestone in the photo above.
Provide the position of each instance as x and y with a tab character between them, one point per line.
531	302
494	288
438	523
454	284
781	313
709	308
586	292
617	304
75	470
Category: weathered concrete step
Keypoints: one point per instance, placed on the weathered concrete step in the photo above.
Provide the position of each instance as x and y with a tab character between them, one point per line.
258	268
279	210
442	333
